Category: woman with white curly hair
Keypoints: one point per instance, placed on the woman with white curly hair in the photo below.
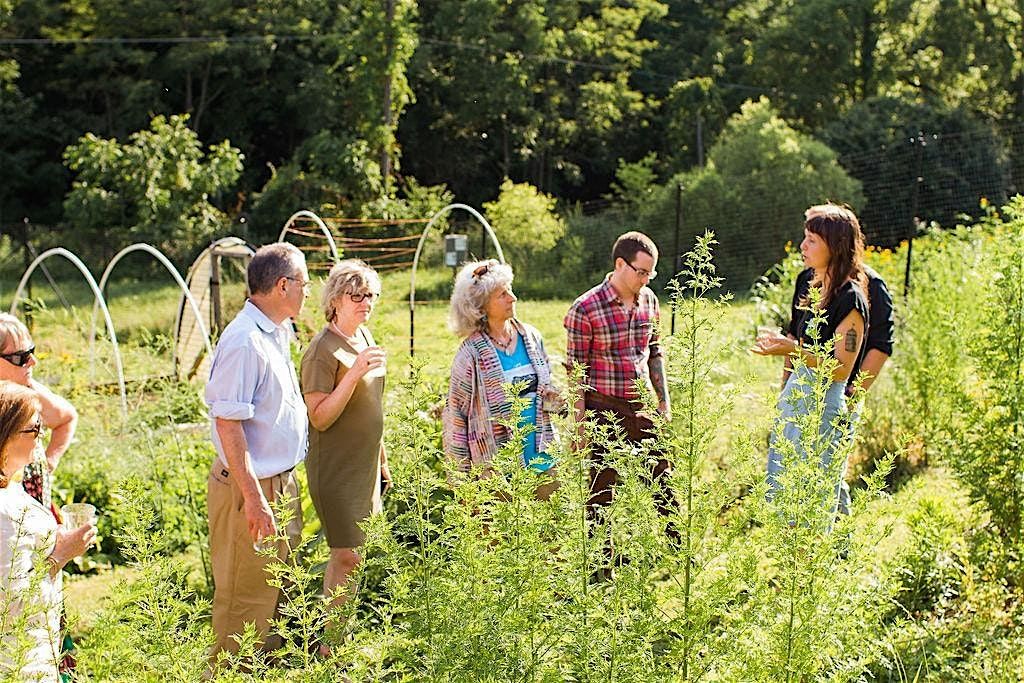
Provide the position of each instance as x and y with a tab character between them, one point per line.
497	350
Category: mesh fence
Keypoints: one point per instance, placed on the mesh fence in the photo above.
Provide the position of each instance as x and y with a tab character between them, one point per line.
924	179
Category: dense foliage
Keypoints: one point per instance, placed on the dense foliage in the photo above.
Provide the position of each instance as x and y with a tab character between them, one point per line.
336	106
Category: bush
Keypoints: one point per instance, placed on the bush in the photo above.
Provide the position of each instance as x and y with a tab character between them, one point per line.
988	456
329	174
760	177
528	228
158	188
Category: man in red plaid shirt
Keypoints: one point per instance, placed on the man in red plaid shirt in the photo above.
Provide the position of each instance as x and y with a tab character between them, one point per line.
613	335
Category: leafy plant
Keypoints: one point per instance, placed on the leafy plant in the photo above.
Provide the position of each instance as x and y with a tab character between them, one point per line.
158	187
989	454
524	220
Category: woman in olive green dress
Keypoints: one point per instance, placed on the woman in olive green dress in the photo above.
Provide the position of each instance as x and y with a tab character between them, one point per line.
343	386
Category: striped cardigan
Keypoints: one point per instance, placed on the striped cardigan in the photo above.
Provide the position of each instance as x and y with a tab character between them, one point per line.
477	402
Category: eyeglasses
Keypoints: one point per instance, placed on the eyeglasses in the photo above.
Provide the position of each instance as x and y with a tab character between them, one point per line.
33	430
307	286
19	358
642	272
363	296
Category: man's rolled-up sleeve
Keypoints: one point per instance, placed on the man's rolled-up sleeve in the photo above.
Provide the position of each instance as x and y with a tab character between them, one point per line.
231	391
655	344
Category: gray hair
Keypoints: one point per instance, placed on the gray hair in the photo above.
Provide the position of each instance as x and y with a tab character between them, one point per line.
350	276
12	329
272	262
474	285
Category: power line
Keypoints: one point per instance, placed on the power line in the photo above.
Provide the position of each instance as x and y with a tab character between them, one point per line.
253	39
165	40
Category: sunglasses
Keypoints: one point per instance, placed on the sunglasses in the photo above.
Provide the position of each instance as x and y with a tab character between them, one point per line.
34	429
19	358
363	296
484	268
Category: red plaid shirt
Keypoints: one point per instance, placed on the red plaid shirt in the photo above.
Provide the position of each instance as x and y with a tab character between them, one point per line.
614	345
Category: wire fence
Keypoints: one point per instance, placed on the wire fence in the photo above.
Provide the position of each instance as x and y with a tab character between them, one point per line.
928	177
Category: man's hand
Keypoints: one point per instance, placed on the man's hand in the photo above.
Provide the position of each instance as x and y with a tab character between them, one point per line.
260	518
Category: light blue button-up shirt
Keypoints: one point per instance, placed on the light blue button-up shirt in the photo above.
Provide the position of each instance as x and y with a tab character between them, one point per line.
253	380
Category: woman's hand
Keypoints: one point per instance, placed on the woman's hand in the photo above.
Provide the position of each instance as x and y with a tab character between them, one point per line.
72	543
551	399
385	478
370	358
773	344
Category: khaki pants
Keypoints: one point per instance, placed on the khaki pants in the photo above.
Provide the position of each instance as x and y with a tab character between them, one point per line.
241	594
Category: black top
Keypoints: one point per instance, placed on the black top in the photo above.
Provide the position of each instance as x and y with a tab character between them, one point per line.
849	297
880	316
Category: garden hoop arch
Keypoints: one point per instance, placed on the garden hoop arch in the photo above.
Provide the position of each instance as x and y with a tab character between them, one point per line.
165	262
309	215
203	283
77	262
416	261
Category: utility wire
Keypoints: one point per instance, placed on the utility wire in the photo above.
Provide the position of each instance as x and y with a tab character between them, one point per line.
300	38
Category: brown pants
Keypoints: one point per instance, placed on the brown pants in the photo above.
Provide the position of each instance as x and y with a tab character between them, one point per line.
637	428
241	594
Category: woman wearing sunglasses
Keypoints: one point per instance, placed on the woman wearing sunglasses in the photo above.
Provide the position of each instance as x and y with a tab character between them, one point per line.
32	551
17	361
343	386
497	350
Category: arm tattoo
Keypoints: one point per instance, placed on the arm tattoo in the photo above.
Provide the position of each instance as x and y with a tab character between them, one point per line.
656	367
851	340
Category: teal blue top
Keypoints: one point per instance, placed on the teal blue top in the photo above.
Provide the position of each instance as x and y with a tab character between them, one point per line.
517	368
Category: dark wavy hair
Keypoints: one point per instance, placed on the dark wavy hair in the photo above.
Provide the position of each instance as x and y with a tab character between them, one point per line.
839	227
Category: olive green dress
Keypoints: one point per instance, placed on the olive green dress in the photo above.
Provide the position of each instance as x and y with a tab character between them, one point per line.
343	463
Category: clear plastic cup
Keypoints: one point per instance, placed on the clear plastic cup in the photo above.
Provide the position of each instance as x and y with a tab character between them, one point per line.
77	514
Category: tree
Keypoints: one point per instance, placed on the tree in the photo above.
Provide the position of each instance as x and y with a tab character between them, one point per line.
157	187
760	177
959	160
530	90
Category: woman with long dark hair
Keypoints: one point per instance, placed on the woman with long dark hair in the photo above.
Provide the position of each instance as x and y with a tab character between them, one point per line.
833	320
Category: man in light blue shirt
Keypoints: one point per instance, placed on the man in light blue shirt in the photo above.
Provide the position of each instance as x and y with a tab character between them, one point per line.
259	431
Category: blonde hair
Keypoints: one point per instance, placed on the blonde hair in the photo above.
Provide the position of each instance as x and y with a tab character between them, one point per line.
473	287
18	405
350	276
13	329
